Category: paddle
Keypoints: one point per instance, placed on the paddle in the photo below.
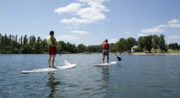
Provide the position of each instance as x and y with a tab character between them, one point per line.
119	59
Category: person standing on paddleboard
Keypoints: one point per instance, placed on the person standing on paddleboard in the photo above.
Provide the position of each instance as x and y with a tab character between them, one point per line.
51	41
105	50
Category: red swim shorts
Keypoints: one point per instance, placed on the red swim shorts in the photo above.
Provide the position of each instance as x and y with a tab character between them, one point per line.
52	50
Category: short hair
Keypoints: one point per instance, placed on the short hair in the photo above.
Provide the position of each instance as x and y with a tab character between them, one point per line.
51	33
106	40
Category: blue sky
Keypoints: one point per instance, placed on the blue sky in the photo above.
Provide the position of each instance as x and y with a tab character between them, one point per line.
91	21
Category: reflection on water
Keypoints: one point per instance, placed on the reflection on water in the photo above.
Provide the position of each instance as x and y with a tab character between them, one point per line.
105	73
105	77
52	84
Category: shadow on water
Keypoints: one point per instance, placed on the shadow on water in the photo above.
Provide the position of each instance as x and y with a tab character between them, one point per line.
52	84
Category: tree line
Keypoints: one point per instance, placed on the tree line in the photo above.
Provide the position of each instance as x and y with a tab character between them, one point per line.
12	44
144	43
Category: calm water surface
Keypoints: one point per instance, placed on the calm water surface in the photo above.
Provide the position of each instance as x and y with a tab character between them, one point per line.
133	77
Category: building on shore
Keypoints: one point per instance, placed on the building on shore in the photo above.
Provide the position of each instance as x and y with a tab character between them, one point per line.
134	48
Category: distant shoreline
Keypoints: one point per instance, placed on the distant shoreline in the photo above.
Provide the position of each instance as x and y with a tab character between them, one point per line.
125	53
155	53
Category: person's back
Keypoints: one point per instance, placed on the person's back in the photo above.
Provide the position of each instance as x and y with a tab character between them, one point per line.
105	45
105	49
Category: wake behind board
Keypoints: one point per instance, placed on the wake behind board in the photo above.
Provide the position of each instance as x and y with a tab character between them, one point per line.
66	66
105	64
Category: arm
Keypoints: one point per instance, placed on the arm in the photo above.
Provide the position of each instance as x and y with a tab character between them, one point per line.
55	42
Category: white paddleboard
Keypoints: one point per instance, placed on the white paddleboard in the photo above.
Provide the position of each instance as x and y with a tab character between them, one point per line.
105	64
67	65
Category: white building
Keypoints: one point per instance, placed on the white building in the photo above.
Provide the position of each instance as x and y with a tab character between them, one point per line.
133	49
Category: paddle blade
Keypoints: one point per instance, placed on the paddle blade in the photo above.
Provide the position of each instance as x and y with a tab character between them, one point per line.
119	59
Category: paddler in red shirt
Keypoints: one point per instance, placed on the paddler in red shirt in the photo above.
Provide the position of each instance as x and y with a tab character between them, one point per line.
105	50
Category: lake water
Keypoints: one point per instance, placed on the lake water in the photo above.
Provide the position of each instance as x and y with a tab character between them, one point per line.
133	77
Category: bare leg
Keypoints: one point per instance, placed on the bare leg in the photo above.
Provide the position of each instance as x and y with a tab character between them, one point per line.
103	59
53	61
107	58
49	61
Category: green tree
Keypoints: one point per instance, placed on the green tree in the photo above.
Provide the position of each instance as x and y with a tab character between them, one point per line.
94	48
148	43
81	48
130	43
32	44
71	47
21	40
61	45
113	47
155	42
174	46
121	45
162	45
38	47
25	39
26	49
141	43
44	45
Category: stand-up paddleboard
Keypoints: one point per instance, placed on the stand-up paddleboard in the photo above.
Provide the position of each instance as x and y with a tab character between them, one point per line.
105	64
67	65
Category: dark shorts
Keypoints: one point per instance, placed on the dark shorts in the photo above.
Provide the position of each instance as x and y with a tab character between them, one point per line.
105	52
52	50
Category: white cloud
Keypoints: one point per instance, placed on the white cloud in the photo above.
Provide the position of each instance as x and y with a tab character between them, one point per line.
174	25
96	4
174	37
173	21
67	37
91	1
106	33
75	21
79	32
140	34
91	14
127	32
103	33
85	11
113	40
160	28
73	7
152	30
